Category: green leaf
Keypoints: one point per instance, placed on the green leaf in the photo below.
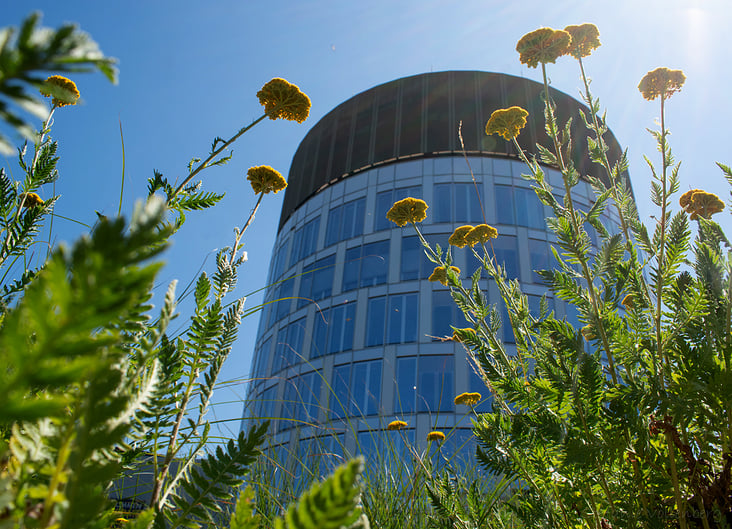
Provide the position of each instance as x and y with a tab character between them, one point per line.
243	516
332	504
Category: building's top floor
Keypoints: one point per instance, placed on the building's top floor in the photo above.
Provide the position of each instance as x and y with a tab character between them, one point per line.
418	116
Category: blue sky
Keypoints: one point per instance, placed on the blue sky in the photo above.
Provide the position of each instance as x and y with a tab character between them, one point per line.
189	72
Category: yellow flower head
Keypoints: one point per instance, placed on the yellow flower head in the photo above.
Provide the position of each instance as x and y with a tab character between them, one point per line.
469	399
440	274
661	82
507	122
458	236
265	179
543	45
30	199
396	425
627	301
436	436
705	205
61	89
456	335
588	333
407	210
685	199
282	99
585	38
698	203
482	233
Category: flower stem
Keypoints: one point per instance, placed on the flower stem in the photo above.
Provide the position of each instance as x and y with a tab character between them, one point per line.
205	163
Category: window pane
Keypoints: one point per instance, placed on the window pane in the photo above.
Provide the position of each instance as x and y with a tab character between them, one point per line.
406	385
411	318
296	247
336	329
444	314
411	258
263	354
351	268
435	383
375	321
477	385
504	204
339	400
442	199
384	202
320	333
280	357
332	234
373	388
323	278
467	205
306	286
375	263
539	257
309	238
507	254
284	294
349	320
395	319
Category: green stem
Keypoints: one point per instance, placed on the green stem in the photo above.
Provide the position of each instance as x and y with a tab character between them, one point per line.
214	154
662	244
122	187
680	504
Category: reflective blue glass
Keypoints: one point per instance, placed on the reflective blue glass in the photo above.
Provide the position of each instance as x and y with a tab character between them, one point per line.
435	386
444	314
352	268
504	204
506	250
366	388
375	263
333	231
402	318
406	374
442	209
339	399
375	321
263	354
538	257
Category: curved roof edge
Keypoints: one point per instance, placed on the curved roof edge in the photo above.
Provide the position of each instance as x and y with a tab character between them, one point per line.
418	116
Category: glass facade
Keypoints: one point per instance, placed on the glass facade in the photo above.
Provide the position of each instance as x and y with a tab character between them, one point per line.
354	335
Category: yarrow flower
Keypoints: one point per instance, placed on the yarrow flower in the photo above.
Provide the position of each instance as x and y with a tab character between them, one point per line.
507	122
627	301
482	233
436	436
396	425
440	274
458	236
407	210
543	45
661	82
456	334
585	38
265	179
62	90
282	99
30	199
698	203
468	399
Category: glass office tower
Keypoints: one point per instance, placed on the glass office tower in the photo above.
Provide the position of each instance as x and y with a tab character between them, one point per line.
355	338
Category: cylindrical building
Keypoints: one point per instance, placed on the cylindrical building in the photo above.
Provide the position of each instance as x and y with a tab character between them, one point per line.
353	336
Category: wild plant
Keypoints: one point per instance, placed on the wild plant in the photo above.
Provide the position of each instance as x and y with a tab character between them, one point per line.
624	422
93	387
